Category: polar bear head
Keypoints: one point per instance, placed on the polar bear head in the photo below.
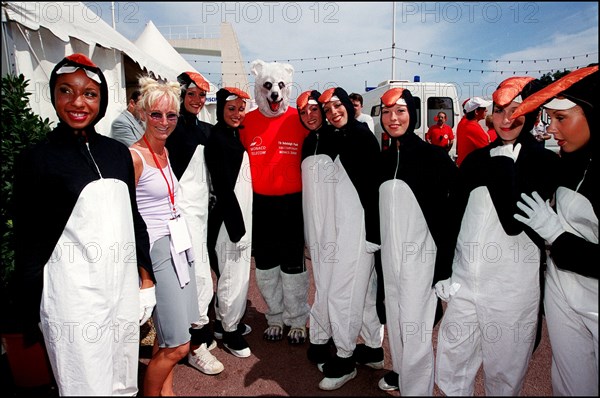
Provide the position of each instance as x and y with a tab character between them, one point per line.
272	86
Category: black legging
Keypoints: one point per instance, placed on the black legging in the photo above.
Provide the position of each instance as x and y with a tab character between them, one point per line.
278	232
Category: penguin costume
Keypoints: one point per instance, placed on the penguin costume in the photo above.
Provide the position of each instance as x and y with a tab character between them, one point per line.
318	173
416	241
494	292
352	290
79	242
571	295
230	222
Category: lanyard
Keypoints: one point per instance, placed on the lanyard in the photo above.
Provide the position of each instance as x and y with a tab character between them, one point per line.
171	193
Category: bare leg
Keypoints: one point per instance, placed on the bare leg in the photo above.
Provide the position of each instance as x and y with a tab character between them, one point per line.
158	380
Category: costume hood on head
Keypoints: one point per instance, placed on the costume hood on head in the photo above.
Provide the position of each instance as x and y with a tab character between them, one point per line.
338	93
187	80
306	98
517	89
192	79
227	94
579	86
71	64
401	96
272	86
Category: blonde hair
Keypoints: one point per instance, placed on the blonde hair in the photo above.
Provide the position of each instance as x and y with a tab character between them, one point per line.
153	90
489	121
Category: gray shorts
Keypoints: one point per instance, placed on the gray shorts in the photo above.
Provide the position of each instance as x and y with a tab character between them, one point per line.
176	307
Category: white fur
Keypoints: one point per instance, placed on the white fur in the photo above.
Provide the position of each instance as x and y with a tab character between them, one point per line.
272	86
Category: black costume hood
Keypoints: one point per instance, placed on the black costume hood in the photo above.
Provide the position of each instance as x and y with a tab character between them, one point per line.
388	99
185	80
222	96
344	99
512	88
302	101
81	61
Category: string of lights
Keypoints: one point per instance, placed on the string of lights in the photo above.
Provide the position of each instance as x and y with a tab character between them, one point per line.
420	63
421	53
519	61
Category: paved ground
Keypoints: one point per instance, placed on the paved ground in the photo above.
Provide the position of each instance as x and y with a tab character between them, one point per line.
278	369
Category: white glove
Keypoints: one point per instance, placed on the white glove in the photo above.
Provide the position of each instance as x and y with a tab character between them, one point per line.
507	150
446	289
147	303
540	217
243	244
372	247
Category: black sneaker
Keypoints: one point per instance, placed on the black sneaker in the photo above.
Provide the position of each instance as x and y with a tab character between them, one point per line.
236	344
243	328
389	382
371	357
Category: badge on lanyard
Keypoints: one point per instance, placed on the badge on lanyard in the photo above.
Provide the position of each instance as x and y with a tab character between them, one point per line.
180	235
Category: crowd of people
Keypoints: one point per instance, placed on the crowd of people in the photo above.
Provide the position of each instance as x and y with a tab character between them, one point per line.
136	229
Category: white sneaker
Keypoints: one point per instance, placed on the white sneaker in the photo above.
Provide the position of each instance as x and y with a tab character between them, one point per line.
212	345
330	383
204	361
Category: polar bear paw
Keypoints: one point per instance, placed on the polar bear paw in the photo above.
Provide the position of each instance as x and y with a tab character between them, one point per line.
273	333
297	335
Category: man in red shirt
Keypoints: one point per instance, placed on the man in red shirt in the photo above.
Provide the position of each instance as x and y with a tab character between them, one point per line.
440	134
470	134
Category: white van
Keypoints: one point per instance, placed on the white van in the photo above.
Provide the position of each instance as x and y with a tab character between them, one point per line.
430	97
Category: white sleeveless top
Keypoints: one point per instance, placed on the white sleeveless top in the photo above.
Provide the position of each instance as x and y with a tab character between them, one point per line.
153	198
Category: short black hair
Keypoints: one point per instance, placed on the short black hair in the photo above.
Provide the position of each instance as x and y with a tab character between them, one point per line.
135	95
356	97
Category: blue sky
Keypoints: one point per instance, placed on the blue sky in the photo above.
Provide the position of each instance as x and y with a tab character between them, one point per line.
429	36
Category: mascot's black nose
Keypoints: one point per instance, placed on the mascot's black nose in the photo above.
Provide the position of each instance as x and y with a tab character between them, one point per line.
274	96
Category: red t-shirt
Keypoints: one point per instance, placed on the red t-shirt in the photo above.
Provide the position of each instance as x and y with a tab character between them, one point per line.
470	136
492	134
274	146
440	136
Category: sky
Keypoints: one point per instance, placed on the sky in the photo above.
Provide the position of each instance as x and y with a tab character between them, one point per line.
474	45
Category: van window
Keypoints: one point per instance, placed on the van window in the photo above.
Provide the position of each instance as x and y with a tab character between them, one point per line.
437	104
418	106
376	111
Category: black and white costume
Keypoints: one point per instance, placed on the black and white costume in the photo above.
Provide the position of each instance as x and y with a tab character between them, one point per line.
492	318
416	249
571	295
186	154
318	183
230	221
351	291
80	239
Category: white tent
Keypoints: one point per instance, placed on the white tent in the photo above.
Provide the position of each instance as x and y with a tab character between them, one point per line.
153	42
37	35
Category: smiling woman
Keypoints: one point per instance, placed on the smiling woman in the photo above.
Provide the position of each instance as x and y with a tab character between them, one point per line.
81	169
230	221
171	252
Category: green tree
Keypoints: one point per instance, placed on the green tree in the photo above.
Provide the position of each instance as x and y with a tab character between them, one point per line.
550	77
20	129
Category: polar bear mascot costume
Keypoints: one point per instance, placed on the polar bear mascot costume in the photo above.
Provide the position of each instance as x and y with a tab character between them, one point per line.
273	137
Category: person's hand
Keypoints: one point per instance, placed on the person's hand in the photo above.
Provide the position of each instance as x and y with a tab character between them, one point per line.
242	244
372	247
446	289
147	303
507	150
540	217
